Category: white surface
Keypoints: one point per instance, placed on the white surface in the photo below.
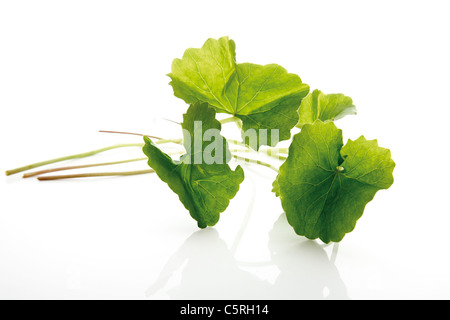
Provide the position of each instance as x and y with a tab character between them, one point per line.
70	68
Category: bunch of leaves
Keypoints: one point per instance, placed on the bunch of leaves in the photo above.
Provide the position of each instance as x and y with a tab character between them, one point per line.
323	185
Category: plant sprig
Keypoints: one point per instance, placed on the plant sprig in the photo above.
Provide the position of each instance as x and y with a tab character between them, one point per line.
323	185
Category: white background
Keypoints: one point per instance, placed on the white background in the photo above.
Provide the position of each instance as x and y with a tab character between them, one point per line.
71	68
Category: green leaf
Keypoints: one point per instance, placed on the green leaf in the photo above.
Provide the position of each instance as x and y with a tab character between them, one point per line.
325	187
202	74
263	97
326	107
204	189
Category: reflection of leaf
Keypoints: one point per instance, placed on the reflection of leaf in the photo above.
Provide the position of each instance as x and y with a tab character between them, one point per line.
204	189
325	187
263	97
325	107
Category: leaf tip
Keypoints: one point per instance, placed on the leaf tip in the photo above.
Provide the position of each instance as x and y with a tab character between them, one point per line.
147	139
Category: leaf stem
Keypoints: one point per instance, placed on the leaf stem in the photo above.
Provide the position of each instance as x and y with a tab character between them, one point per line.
237	142
74	156
271	152
96	174
262	163
275	153
86	154
37	173
162	141
230	119
131	133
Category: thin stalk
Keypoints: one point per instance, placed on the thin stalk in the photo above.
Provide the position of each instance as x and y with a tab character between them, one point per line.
276	153
160	140
278	150
278	156
86	154
262	163
171	121
271	152
96	174
74	156
37	173
230	119
138	172
131	133
272	155
271	149
238	143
